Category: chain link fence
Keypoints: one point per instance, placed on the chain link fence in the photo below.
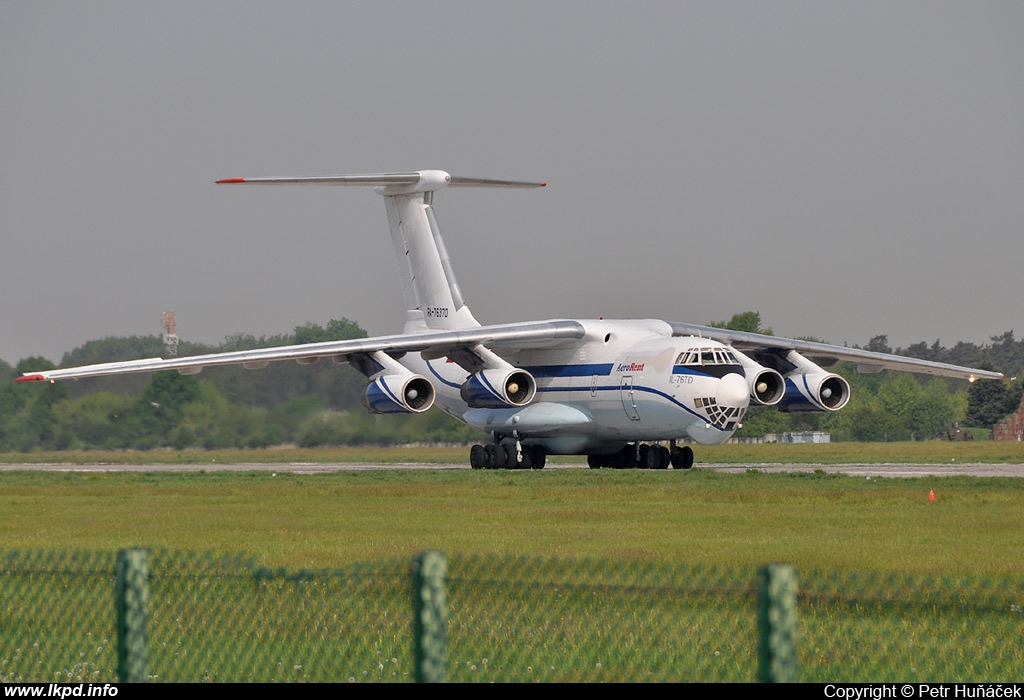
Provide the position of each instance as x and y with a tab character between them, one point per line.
68	617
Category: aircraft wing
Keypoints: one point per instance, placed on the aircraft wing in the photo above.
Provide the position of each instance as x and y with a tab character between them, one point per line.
825	354
435	344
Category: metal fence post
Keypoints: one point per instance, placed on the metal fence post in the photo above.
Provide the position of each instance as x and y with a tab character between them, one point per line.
132	615
430	616
776	624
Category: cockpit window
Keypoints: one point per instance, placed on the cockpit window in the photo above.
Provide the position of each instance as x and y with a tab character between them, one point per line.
707	356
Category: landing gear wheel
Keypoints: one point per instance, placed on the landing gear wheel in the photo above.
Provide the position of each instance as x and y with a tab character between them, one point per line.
510	456
642	455
539	456
657	458
682	458
595	461
500	457
477	457
490	461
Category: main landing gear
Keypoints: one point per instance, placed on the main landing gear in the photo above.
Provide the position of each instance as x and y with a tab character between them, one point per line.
513	455
644	456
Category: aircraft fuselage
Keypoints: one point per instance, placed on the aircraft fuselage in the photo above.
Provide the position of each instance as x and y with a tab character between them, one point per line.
623	381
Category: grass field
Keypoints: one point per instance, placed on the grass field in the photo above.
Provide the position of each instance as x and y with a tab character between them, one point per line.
697	518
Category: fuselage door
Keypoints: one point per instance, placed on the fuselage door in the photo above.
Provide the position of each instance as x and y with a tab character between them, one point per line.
628	398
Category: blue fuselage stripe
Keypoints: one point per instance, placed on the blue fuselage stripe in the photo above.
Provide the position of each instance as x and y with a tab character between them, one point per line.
546	371
588	370
635	387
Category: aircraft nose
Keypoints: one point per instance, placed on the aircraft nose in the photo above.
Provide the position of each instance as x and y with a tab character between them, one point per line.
732	391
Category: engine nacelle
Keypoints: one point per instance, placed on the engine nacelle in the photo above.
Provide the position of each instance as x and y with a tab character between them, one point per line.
815	392
499	388
399	393
767	387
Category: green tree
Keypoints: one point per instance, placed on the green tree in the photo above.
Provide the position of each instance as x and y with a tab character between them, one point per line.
880	343
864	420
746	321
898	397
211	422
936	409
170	391
336	329
26	409
762	420
95	421
158	410
988	402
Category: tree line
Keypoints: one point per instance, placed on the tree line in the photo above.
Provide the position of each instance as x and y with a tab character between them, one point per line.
225	407
319	404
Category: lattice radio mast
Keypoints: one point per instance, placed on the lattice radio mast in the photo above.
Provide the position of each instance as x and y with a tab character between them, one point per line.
170	325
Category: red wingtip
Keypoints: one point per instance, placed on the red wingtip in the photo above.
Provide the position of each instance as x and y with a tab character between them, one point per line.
231	181
543	184
31	378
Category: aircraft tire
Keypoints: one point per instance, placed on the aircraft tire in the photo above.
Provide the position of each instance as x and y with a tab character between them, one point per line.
477	457
642	456
500	457
510	456
595	461
539	457
656	457
490	461
682	458
625	458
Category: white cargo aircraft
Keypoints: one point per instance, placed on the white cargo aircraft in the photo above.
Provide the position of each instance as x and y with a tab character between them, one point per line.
610	389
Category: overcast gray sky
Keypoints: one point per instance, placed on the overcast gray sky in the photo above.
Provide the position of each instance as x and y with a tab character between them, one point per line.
846	169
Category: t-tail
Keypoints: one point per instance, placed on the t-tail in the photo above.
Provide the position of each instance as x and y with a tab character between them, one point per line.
432	296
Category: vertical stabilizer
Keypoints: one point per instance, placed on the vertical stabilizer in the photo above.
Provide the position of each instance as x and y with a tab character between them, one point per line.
433	299
427	279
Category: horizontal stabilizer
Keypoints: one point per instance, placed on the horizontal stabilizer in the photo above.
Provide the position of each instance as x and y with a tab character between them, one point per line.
393	183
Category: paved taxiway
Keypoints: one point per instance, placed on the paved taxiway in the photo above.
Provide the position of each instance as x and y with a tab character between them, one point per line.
865	470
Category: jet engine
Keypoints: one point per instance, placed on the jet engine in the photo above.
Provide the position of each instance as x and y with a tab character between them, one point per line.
809	388
399	393
502	387
767	387
815	392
